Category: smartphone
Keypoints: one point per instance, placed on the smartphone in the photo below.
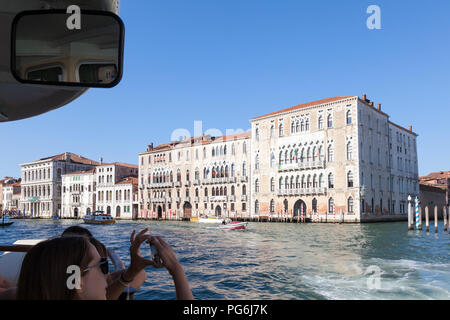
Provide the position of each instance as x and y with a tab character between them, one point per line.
155	256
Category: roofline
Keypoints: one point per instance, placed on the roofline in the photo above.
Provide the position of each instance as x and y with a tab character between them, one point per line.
238	136
313	106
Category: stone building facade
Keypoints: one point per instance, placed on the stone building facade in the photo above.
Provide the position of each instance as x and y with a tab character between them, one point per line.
41	188
203	175
334	156
117	189
11	195
78	195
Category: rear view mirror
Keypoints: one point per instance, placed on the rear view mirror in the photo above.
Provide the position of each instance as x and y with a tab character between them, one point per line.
46	51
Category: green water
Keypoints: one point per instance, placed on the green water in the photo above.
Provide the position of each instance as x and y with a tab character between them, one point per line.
282	261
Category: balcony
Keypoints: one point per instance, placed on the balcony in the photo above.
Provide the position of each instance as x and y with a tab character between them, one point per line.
301	192
178	199
244	179
196	182
187	183
196	199
177	184
161	185
187	199
243	198
168	199
306	165
217	198
205	199
232	198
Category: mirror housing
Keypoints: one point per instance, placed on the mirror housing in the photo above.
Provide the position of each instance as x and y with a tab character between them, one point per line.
45	51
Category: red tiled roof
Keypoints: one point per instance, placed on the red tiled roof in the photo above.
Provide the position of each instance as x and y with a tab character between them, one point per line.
73	158
119	164
304	105
201	140
436	175
128	180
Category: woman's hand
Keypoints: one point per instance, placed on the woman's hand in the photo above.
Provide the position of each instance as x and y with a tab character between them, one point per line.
137	262
165	252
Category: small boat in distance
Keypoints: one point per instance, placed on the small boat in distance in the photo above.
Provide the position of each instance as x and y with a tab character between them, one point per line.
98	217
5	224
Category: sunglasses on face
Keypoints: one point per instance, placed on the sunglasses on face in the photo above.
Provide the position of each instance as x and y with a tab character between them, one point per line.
103	266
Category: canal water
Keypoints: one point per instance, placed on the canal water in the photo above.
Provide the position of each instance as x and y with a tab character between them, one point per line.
280	260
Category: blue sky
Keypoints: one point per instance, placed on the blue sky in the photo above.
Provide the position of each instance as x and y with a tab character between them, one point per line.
224	62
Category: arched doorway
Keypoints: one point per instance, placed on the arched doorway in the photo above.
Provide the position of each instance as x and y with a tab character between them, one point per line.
298	206
75	212
218	211
118	212
108	210
187	210
159	212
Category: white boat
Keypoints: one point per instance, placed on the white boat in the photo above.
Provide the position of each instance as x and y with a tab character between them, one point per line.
98	217
207	219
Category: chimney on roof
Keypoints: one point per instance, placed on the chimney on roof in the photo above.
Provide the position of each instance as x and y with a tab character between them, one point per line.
379	107
410	128
364	97
101	161
150	147
67	156
371	103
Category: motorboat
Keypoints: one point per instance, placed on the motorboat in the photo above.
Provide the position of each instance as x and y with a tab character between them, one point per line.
234	225
98	217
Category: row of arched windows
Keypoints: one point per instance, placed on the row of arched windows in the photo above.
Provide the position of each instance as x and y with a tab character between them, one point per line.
331	206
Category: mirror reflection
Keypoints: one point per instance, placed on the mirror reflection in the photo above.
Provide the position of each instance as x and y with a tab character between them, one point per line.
48	52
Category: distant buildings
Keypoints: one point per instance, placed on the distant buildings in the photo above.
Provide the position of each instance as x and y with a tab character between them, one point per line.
117	189
9	194
439	180
41	189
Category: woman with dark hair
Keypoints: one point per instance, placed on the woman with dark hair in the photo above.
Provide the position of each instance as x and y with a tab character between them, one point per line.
47	267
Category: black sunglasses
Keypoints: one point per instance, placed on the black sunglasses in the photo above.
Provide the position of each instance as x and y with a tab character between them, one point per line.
104	266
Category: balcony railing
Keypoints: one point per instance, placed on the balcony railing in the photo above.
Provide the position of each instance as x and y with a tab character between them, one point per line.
232	198
218	198
300	192
306	165
244	179
161	185
177	184
243	198
196	182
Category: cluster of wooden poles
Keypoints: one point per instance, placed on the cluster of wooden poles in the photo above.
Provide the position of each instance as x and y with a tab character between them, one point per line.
416	220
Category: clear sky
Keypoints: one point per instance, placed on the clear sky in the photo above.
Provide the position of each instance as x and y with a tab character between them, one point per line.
223	62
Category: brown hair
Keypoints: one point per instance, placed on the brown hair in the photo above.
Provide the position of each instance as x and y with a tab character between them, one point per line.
76	231
44	269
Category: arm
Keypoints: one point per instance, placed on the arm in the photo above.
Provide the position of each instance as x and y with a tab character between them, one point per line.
181	285
174	267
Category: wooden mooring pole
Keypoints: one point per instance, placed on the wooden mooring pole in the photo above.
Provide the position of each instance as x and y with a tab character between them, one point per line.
435	219
427	219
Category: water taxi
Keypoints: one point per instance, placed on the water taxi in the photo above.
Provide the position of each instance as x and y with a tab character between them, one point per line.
98	217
